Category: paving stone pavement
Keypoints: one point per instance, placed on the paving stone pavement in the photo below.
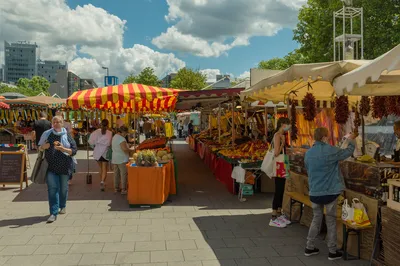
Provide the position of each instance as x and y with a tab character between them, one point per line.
203	225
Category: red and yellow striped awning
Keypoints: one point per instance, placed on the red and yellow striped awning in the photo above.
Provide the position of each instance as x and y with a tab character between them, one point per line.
125	98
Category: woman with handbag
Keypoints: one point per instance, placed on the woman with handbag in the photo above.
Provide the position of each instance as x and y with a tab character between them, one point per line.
59	148
101	140
281	172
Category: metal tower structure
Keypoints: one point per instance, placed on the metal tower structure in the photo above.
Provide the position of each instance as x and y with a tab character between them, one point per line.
349	45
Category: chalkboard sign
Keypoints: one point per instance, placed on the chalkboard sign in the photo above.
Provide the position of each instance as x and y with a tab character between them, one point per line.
12	168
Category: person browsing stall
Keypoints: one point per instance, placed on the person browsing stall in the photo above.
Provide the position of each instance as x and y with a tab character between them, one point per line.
326	184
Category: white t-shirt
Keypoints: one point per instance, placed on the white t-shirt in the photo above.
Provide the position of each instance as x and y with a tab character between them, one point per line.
118	155
101	143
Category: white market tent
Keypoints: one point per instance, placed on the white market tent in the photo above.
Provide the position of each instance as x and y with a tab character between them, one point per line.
326	80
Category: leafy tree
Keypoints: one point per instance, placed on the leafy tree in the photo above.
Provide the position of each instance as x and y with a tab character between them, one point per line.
39	84
28	87
315	28
277	63
146	77
189	79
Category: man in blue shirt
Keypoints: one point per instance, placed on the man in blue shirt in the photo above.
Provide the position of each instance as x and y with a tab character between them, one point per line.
326	184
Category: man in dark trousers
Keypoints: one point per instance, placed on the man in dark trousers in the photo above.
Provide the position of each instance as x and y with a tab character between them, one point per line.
190	128
41	126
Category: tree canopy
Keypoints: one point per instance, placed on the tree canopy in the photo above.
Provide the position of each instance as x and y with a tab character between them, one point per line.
314	31
145	77
28	87
189	79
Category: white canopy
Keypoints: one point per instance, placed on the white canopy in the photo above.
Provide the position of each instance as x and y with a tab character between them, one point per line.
350	77
380	77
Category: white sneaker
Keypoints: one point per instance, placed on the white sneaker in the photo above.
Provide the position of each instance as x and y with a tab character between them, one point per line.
284	219
277	223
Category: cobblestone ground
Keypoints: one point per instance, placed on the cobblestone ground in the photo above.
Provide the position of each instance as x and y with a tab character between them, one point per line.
203	226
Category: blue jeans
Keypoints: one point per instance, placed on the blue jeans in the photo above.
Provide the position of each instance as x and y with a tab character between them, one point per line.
57	187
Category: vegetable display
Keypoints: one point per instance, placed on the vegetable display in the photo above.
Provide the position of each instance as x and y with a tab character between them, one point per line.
294	129
342	110
310	109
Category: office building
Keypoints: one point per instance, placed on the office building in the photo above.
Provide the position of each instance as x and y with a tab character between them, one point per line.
67	82
166	81
87	84
48	69
20	61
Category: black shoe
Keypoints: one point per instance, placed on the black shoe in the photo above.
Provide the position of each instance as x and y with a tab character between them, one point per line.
310	252
335	256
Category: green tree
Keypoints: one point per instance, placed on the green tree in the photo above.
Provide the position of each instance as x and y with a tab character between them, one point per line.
28	87
146	77
189	79
39	84
277	63
314	30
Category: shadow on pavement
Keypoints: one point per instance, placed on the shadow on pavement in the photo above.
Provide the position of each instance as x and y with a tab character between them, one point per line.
19	222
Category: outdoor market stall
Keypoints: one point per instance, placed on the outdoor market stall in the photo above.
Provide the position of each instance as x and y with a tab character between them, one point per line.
365	178
153	181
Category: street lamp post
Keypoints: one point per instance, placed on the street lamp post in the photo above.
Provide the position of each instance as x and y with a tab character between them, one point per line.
105	83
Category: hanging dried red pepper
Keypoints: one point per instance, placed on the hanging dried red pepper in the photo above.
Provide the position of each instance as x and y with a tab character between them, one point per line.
294	129
342	110
391	105
310	109
357	119
365	106
378	107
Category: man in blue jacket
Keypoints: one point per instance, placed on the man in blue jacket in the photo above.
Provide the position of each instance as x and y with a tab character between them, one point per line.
326	184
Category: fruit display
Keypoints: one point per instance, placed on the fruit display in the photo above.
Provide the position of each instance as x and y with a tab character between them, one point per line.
145	158
153	143
164	156
252	151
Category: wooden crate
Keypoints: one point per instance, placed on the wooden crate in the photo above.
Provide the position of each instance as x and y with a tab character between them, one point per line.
391	203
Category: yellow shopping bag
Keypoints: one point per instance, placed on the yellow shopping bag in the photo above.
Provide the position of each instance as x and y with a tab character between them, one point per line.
360	214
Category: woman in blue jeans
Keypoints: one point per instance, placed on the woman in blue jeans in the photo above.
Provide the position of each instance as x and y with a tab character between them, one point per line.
59	148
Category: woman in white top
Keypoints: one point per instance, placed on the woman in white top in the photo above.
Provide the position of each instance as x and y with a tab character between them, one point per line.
120	157
101	140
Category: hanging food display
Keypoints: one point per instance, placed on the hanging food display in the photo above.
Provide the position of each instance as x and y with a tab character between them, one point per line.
378	107
310	109
294	130
365	105
391	105
357	120
342	110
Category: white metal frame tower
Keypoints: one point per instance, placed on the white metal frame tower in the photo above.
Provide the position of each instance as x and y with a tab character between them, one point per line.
348	42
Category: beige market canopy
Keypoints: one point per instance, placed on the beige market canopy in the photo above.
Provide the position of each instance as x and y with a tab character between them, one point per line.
39	101
380	77
302	78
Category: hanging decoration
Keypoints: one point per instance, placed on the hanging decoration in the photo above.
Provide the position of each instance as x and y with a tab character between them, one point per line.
310	109
357	119
365	107
342	110
378	107
294	129
391	105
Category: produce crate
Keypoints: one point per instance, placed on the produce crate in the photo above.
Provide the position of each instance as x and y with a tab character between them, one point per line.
394	192
251	165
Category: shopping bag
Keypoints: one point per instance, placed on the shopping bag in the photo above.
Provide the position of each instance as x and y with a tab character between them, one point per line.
282	167
267	165
109	154
39	172
238	174
347	212
360	213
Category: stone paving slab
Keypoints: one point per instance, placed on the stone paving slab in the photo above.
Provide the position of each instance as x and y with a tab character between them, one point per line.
202	226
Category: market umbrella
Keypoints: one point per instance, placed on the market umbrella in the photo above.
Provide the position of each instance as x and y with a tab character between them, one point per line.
42	101
125	97
2	104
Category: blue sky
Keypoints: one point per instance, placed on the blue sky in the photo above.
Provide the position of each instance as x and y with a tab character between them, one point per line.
215	36
145	20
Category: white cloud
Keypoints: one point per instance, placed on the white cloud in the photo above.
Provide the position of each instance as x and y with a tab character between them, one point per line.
244	75
211	74
64	34
210	28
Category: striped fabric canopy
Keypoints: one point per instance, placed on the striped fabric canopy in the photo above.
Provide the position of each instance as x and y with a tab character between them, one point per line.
125	98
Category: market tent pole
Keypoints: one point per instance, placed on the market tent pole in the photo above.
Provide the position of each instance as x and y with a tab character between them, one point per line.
233	121
246	121
88	175
363	135
265	122
219	123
